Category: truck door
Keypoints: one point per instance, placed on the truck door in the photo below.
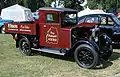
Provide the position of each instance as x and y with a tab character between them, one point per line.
50	30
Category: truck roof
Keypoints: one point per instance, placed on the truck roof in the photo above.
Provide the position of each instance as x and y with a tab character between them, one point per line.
58	9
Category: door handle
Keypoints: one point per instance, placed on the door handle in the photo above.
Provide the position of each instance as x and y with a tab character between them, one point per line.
45	26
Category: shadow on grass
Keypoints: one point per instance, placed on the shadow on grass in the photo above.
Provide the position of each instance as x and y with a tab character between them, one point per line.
114	56
66	57
108	63
103	65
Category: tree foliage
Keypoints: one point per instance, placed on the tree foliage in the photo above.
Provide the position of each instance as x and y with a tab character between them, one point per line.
73	4
106	4
35	4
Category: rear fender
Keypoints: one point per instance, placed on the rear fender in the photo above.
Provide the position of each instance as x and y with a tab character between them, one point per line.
93	44
18	39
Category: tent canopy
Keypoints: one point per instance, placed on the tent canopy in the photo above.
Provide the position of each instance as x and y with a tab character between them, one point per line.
88	11
17	13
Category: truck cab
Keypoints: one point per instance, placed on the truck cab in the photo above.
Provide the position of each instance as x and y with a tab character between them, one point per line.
55	27
57	32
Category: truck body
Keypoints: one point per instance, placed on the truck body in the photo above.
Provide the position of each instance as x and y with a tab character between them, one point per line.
57	32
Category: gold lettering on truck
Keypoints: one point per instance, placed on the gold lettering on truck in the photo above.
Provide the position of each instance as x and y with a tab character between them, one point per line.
52	36
12	26
25	26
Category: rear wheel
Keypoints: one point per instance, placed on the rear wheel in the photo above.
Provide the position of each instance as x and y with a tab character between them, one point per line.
86	56
24	46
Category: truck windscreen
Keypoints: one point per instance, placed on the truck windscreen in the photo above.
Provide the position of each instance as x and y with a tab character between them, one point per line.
69	19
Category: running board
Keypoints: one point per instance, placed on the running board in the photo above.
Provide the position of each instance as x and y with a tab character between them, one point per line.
49	50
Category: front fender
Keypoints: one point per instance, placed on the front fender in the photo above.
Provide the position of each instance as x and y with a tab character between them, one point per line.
91	43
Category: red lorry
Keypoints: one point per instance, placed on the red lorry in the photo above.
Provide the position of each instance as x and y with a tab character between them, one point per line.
57	32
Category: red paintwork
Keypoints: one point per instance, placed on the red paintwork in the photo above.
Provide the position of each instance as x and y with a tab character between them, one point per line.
63	34
65	37
88	24
51	34
44	28
21	28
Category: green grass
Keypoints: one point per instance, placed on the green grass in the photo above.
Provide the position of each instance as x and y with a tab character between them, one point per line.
13	64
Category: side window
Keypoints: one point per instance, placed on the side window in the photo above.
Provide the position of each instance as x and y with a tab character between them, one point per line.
110	21
107	21
103	20
81	20
52	18
96	19
88	20
91	20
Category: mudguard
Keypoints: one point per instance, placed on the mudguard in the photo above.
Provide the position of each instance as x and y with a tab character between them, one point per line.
18	39
91	43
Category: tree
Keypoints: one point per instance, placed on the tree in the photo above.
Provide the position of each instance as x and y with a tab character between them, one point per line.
8	3
35	4
48	3
106	4
1	5
73	4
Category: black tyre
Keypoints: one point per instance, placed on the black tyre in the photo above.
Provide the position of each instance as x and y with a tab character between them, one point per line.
24	46
86	56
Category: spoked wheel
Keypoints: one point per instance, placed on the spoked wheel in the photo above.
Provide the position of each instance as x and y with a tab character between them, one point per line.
86	56
24	46
3	30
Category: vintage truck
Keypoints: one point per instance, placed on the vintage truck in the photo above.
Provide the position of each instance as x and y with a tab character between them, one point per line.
57	32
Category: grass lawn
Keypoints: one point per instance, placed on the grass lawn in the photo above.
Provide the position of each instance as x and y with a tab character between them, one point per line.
13	64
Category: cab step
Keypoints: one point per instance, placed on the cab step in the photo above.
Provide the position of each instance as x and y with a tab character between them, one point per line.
49	50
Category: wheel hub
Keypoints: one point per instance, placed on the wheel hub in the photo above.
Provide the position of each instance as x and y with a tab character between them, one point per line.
85	57
25	47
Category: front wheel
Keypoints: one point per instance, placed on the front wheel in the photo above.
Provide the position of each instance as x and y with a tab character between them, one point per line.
86	56
24	46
